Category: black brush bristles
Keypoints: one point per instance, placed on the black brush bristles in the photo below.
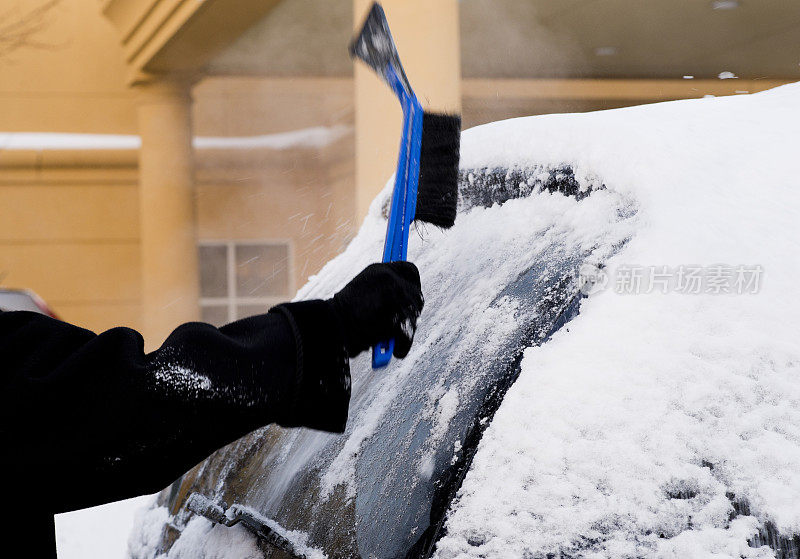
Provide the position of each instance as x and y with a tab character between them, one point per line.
437	193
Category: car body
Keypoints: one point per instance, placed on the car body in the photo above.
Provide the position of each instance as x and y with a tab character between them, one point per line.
547	411
23	300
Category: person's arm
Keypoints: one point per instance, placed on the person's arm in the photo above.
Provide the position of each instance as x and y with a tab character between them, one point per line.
91	418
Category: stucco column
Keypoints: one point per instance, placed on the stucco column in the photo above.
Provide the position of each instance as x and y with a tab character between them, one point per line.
170	284
427	37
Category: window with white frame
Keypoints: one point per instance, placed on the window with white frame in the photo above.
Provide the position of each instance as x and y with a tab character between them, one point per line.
242	278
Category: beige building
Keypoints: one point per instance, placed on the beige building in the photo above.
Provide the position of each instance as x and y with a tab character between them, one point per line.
170	160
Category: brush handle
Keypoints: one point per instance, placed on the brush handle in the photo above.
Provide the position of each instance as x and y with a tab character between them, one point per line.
375	47
382	354
404	194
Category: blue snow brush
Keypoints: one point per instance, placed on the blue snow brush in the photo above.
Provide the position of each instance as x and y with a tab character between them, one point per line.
426	181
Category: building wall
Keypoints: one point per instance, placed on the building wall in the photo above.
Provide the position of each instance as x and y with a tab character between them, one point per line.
69	221
69	228
300	196
74	81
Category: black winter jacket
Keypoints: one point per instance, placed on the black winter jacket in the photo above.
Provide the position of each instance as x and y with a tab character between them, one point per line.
87	419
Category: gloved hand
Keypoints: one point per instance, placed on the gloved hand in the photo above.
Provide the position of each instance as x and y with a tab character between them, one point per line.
382	302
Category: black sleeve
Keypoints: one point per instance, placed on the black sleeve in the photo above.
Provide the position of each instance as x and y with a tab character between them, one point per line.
87	419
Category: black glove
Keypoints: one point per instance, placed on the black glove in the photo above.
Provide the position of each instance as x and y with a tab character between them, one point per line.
382	302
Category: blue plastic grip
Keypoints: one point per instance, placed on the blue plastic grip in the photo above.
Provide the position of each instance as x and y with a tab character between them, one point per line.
382	354
404	194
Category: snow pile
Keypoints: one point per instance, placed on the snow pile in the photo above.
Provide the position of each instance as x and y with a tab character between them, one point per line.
148	528
200	539
98	531
635	429
203	539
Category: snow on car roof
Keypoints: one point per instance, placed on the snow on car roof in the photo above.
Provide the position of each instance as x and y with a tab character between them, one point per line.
661	416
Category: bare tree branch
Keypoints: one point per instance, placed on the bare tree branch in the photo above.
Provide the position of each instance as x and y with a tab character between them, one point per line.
21	28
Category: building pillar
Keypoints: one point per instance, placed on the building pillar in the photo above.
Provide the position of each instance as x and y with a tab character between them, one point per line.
170	284
427	37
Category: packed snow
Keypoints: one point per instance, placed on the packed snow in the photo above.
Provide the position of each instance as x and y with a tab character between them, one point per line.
633	430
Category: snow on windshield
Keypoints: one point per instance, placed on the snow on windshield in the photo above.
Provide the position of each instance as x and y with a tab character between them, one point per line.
504	277
663	422
500	279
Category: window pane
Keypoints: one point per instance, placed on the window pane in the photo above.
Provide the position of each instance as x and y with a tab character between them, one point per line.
243	311
213	271
262	270
214	314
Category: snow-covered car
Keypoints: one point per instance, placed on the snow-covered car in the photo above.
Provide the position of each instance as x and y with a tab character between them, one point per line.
23	300
608	363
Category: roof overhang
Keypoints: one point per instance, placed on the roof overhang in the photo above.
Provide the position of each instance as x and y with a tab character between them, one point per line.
178	37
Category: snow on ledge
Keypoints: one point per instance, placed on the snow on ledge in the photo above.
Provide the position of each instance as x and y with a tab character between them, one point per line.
314	137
